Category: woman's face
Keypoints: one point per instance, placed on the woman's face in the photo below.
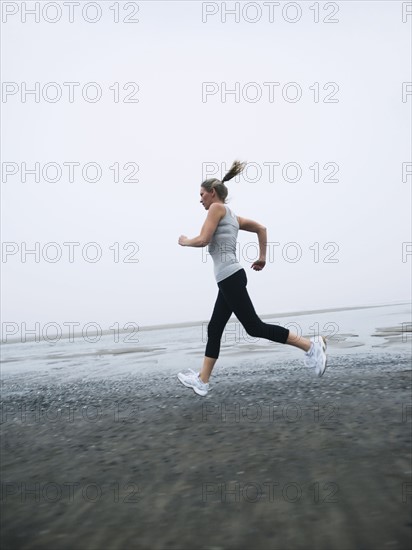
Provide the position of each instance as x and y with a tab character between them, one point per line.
207	198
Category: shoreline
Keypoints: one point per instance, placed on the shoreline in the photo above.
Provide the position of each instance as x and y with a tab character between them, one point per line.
188	324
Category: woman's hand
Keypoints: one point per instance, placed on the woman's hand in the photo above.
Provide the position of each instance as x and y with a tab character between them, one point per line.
258	265
183	240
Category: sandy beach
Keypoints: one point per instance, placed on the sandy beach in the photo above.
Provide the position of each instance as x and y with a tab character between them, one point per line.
109	451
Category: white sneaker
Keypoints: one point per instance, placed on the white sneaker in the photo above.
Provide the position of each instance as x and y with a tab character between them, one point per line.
191	379
316	358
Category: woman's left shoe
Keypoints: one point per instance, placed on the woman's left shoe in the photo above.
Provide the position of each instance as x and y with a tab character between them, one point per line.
322	359
316	358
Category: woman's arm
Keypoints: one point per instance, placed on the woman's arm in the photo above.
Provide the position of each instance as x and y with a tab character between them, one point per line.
214	215
260	230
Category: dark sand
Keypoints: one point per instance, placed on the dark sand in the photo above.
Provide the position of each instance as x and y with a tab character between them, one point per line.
270	459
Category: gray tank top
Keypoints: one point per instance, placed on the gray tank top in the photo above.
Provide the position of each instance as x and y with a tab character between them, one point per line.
222	247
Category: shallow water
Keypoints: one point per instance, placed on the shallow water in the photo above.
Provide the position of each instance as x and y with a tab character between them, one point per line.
363	330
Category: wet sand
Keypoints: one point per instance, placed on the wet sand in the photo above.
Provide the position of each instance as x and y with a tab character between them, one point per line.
271	459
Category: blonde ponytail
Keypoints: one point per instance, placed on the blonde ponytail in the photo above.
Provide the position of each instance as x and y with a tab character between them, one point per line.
220	187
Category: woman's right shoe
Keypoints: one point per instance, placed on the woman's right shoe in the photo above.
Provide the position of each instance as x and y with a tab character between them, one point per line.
191	379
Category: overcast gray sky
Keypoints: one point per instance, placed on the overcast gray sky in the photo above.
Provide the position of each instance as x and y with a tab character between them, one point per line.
320	108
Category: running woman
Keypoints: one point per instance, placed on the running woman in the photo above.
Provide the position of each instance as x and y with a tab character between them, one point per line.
219	232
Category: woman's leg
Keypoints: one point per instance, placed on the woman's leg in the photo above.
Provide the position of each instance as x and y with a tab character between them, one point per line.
298	341
236	295
207	367
220	316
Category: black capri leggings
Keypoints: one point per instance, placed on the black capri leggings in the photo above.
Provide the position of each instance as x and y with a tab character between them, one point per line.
234	298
